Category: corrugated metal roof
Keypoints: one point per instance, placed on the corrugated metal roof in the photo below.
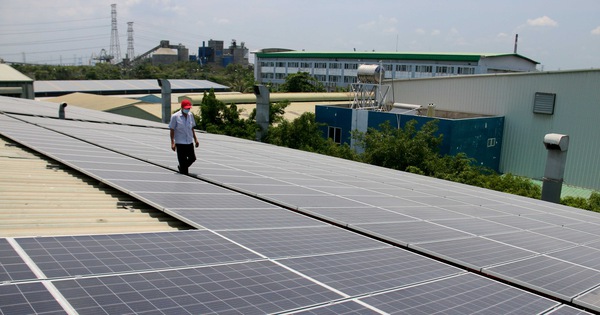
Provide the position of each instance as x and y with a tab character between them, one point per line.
8	73
92	101
39	197
473	57
115	87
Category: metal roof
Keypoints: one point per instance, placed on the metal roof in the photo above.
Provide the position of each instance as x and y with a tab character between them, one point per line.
464	57
8	73
41	197
117	87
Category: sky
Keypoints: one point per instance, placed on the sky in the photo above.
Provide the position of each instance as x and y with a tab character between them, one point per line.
559	34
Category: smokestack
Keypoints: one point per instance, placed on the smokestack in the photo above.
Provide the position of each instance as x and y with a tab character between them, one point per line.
516	40
557	146
263	104
165	91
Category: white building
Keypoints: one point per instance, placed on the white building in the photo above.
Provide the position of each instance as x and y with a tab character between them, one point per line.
339	69
533	104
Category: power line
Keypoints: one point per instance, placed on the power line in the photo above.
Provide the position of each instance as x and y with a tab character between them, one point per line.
53	31
53	22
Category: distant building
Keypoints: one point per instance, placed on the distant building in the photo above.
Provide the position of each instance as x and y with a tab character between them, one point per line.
339	69
216	54
15	84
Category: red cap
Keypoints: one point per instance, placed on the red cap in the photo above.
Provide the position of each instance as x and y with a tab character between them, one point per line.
185	104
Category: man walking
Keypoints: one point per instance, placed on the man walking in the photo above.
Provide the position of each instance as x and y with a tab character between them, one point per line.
183	136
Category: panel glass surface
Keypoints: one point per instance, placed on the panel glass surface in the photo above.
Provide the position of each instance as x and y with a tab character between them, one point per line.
233	219
28	298
370	271
345	308
590	300
476	226
531	241
412	232
281	243
474	252
248	288
99	254
549	275
465	294
205	201
12	267
359	215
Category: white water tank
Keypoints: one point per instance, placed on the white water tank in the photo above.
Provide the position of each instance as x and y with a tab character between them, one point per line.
370	74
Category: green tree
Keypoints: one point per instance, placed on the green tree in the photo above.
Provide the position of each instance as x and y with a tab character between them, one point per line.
302	82
239	78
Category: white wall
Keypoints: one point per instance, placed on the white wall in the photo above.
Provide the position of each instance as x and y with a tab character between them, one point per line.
577	114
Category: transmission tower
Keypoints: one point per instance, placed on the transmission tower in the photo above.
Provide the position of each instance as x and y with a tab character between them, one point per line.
115	50
130	40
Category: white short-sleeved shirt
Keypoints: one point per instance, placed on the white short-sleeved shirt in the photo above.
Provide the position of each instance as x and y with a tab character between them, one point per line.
183	127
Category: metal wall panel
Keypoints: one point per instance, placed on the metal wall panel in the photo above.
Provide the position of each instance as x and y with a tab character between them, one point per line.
512	95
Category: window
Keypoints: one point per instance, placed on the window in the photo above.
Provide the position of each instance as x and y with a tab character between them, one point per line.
543	103
305	65
491	142
351	66
444	69
465	70
293	64
320	65
422	68
350	79
335	134
281	64
403	68
334	66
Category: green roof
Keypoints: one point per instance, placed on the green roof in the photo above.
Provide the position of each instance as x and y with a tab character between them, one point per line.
472	57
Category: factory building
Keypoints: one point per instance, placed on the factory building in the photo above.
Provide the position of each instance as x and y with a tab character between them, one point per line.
533	104
214	53
339	69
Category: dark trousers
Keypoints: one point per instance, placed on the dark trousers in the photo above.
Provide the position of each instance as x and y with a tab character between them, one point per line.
186	156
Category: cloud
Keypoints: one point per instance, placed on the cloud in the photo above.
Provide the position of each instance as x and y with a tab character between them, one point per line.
542	21
420	31
596	31
221	21
435	32
385	24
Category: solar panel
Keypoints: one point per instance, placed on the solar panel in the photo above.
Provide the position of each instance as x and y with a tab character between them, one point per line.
580	255
279	243
358	215
532	241
474	252
12	266
69	256
234	219
464	294
368	271
28	298
476	226
549	275
589	300
247	288
411	232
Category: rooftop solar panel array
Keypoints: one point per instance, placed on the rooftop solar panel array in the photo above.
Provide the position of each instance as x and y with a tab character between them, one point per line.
253	254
